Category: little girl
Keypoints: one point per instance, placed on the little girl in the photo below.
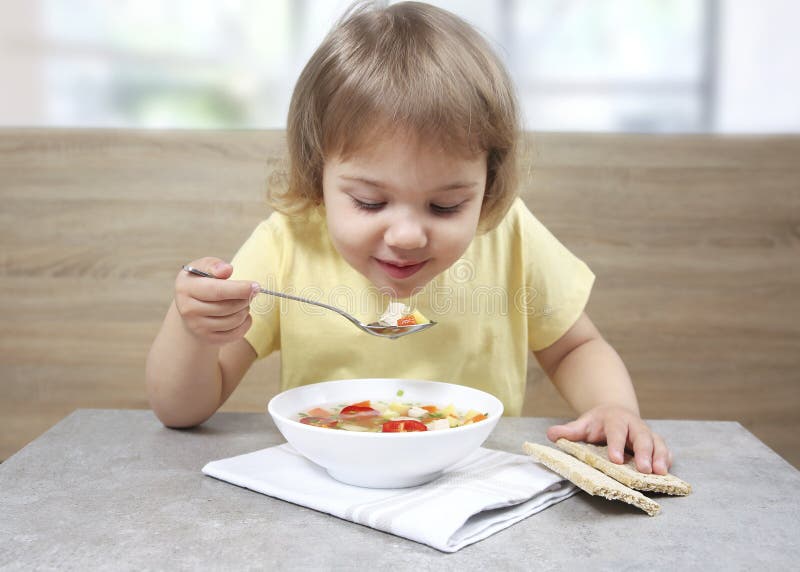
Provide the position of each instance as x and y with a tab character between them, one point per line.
402	136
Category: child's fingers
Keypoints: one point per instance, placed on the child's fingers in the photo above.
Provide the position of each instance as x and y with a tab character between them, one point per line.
225	336
662	457
214	289
217	267
219	330
573	431
223	324
643	450
214	309
616	439
213	267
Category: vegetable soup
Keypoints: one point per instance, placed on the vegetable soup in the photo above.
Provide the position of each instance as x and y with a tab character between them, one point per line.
388	416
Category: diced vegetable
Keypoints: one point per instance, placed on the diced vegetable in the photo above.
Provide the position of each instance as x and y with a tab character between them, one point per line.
438	424
352	427
401	314
416	412
319	412
399	407
403	426
408	320
382	416
470	414
358	411
419	318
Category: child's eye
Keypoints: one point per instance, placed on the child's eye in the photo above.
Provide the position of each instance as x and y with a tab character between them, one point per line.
367	206
439	209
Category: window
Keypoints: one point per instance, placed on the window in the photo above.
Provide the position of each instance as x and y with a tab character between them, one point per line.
579	65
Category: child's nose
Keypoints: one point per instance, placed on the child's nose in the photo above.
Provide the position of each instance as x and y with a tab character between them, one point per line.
406	233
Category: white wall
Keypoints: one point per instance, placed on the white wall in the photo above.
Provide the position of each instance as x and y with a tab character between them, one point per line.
20	79
758	81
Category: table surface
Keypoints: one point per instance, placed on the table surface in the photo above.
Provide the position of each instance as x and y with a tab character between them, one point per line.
114	489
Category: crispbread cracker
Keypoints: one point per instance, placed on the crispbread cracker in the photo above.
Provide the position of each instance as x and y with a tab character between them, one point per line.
627	474
589	479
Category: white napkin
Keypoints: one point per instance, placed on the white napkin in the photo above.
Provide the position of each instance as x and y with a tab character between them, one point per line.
486	492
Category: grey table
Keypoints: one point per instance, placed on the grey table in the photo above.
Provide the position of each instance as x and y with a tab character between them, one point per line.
111	489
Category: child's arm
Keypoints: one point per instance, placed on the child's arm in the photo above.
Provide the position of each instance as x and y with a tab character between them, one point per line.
200	355
590	375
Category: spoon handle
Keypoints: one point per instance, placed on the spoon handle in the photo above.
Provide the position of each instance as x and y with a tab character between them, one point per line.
198	272
313	303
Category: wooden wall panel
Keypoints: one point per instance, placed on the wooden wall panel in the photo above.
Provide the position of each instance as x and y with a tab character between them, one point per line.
695	241
696	245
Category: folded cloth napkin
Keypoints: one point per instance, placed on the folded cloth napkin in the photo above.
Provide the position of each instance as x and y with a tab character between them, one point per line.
486	492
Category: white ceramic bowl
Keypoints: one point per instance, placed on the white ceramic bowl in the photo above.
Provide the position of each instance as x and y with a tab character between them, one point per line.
384	460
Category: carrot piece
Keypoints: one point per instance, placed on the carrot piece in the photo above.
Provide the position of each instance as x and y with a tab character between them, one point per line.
319	412
407	321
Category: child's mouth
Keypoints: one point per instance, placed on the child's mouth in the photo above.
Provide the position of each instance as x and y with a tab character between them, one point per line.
399	271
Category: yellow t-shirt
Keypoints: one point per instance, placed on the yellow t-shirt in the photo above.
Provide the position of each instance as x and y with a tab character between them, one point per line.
514	290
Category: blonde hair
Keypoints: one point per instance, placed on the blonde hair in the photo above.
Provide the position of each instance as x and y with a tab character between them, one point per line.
408	66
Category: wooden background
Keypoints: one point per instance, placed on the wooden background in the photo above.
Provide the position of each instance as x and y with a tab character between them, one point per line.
695	241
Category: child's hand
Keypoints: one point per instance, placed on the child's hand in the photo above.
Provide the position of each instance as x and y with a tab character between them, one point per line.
619	428
214	310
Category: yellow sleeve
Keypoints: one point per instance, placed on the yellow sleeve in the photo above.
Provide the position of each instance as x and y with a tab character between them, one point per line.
260	259
557	283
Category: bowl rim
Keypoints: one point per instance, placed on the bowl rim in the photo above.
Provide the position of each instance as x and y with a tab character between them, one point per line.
492	420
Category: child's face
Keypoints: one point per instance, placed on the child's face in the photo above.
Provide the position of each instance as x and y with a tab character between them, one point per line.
400	212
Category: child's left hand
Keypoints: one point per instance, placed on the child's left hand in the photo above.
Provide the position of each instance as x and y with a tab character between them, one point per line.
619	428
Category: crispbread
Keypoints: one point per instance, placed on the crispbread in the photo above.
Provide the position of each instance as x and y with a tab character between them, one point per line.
627	474
588	478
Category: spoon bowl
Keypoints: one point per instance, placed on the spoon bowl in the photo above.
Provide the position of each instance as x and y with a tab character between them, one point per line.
393	332
373	328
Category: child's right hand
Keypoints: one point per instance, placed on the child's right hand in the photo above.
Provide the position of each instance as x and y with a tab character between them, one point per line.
216	310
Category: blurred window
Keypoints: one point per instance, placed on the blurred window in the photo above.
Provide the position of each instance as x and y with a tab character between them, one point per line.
591	65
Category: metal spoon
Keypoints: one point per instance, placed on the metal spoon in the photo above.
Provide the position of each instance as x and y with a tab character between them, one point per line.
374	328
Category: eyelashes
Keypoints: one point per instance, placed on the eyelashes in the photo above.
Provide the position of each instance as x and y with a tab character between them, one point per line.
436	209
365	205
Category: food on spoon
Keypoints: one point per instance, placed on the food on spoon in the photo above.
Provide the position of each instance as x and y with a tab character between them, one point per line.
388	417
400	314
